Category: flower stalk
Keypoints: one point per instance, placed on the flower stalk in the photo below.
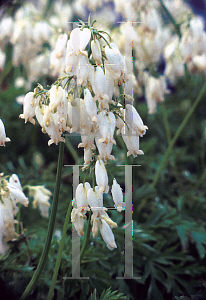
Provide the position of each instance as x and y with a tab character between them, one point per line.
59	256
52	218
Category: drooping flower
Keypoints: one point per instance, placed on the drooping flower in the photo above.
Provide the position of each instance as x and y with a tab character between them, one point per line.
117	196
3	137
107	235
134	120
41	197
101	176
29	106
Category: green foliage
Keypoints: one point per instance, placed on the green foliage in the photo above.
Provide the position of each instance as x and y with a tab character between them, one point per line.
107	295
169	236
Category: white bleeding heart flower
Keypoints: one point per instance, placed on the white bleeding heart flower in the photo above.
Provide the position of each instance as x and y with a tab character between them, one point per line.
117	196
107	235
3	137
101	176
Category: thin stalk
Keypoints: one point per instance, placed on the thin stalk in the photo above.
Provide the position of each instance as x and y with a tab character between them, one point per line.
168	134
5	72
59	256
166	123
86	241
172	20
177	134
52	218
71	149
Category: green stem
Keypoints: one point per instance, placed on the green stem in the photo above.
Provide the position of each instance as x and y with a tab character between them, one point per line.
52	218
71	149
172	20
5	72
86	241
177	134
59	256
166	123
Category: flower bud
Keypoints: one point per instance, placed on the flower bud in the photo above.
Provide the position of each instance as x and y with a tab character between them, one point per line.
117	196
96	51
107	235
101	176
57	94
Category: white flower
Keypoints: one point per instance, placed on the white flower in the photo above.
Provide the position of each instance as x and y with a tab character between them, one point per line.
29	106
97	80
107	235
81	196
95	201
115	62
2	59
7	229
57	94
76	56
3	137
131	141
58	55
96	51
87	156
106	122
101	176
2	245
17	194
77	219
19	82
14	180
41	198
51	124
117	196
6	28
134	120
155	89
90	105
200	62
104	149
79	40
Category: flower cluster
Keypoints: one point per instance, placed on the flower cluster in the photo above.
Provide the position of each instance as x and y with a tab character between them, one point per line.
153	40
11	193
92	198
82	101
